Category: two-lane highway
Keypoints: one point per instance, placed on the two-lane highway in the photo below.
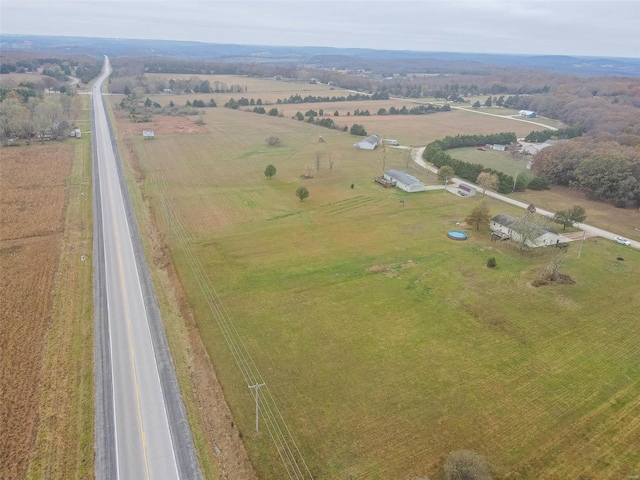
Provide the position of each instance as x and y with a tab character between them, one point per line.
141	426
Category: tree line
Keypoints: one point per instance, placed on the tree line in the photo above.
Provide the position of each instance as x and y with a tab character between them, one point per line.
145	85
417	110
561	133
605	167
297	98
140	111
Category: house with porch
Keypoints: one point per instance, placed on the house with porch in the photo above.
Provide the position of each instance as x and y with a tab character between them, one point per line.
506	228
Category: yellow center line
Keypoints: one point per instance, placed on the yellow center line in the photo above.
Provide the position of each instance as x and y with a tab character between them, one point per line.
128	318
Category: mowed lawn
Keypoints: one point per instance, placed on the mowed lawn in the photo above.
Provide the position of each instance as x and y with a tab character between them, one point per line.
385	344
502	161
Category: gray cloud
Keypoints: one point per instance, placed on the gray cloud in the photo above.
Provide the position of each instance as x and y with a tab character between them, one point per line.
562	27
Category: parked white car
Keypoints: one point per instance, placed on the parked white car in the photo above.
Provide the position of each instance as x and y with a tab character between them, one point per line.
622	240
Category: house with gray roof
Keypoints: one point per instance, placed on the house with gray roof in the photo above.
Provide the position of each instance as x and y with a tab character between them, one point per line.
369	143
506	227
404	181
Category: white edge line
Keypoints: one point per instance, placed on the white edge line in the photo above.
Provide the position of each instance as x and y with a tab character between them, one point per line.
155	363
106	268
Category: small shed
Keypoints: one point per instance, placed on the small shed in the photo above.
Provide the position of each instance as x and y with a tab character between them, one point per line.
404	181
465	190
369	143
78	133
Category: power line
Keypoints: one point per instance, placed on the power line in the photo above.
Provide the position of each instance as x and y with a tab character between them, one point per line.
266	406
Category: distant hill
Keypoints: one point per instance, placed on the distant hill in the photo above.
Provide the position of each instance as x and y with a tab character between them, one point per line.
323	57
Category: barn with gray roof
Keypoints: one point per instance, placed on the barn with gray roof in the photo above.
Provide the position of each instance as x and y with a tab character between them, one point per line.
404	181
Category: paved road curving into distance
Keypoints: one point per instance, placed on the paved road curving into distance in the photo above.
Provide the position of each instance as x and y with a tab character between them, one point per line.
141	427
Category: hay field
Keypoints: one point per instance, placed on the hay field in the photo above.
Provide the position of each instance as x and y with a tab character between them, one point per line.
385	344
46	333
33	185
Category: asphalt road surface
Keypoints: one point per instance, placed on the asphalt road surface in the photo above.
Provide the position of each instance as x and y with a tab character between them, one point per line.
141	426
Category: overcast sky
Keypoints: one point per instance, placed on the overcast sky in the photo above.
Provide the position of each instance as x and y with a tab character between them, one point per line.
559	27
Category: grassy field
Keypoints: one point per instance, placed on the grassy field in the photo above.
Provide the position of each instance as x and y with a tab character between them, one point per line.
502	161
385	344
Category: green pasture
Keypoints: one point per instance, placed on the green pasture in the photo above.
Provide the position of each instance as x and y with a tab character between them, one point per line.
502	161
385	344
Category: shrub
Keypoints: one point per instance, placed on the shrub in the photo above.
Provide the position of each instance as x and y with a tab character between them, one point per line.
464	465
357	129
272	141
491	263
539	183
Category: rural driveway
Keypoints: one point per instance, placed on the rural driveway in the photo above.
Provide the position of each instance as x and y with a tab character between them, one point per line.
141	430
516	118
590	230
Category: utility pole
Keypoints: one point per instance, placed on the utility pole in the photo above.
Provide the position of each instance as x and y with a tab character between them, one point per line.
584	234
256	387
514	182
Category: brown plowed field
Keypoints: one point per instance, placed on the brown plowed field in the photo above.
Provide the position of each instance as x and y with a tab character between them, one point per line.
33	196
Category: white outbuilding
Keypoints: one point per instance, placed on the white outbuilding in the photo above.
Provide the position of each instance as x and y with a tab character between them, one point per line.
465	190
369	143
404	181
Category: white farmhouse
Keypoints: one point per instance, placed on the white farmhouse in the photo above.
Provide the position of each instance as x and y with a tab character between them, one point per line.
503	226
404	181
369	143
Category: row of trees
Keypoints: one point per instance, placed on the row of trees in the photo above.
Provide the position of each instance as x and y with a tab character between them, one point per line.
417	110
460	141
147	85
561	133
141	111
297	98
242	102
